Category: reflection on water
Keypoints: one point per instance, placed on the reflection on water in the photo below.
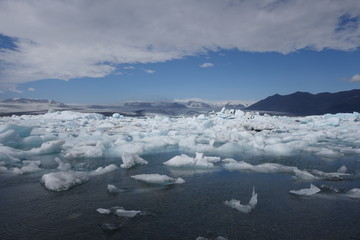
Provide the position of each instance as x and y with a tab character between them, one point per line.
196	208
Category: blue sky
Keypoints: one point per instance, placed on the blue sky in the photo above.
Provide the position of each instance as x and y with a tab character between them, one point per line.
89	52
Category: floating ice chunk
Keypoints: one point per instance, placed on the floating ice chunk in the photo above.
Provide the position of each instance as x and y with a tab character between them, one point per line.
158	179
102	170
342	169
217	238
306	191
103	211
60	181
48	148
199	161
130	160
126	213
253	199
233	203
182	160
3	169
62	166
332	176
29	167
117	116
86	151
263	168
354	193
304	175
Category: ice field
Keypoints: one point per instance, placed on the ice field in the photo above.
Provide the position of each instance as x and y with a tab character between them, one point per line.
222	175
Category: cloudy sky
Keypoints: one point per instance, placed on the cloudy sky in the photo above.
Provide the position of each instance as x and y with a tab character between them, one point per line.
94	51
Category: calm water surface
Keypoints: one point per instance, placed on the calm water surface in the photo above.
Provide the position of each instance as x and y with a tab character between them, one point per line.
196	208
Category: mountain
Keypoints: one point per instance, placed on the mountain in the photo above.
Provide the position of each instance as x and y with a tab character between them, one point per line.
33	101
304	103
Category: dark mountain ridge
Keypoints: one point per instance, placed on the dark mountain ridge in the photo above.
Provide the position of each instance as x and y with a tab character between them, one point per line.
304	103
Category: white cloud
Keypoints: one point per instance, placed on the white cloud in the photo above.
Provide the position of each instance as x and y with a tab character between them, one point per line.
355	78
206	65
31	89
149	71
129	67
73	39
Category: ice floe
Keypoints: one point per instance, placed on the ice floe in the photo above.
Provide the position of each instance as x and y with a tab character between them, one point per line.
200	160
103	211
306	191
118	211
130	160
103	170
354	193
158	179
233	203
60	181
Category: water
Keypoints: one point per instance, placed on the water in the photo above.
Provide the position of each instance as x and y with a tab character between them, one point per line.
186	211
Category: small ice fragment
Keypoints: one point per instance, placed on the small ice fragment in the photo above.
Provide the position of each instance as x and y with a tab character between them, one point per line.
233	203
342	169
130	160
253	199
126	213
60	181
217	238
103	170
103	211
62	166
354	193
113	189
306	191
158	179
304	175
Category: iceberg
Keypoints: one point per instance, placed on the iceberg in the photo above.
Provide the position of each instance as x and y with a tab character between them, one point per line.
306	191
233	203
61	181
130	160
158	179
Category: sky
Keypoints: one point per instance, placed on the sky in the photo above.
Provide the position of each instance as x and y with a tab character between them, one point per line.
104	52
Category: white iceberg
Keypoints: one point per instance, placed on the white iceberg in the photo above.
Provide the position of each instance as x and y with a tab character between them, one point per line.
243	208
61	181
158	179
130	160
306	191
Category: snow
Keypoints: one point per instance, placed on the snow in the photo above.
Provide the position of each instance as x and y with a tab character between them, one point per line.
236	204
158	179
306	191
60	181
130	160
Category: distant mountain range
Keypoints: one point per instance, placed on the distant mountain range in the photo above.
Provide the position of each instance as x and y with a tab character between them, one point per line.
304	103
